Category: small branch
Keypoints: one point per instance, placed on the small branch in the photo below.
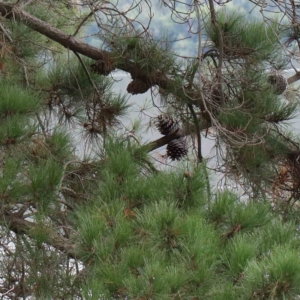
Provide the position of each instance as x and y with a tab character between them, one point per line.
5	33
12	12
168	138
198	134
41	124
164	140
69	206
26	76
7	292
190	106
83	21
88	75
220	48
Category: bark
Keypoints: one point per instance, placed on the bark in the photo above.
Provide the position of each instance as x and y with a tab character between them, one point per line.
168	138
165	140
294	78
9	11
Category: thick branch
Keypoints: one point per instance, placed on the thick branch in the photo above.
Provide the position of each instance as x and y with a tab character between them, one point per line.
13	12
70	42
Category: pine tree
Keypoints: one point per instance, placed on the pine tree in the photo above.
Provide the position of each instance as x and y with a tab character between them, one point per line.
113	224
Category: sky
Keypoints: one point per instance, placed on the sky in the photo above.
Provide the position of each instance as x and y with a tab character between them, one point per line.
163	22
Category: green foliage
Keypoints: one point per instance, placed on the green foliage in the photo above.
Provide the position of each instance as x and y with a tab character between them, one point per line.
111	224
21	33
15	100
278	234
40	234
274	277
239	251
242	37
256	102
44	179
161	248
60	144
254	111
15	128
68	75
234	216
149	53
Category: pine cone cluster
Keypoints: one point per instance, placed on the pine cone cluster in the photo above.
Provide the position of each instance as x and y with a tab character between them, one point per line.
278	82
137	86
166	124
177	149
102	67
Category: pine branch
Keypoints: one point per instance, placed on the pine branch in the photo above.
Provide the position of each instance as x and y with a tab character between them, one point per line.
70	42
198	133
168	138
20	226
214	23
165	140
13	12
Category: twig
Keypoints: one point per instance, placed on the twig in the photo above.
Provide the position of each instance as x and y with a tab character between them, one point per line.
66	204
7	292
220	48
88	74
5	33
198	134
83	21
41	124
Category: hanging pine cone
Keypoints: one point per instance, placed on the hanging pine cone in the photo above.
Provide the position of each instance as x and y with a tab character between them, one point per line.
137	86
177	149
278	82
102	67
166	124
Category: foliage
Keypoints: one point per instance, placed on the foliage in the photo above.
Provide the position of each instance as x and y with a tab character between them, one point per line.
246	38
87	213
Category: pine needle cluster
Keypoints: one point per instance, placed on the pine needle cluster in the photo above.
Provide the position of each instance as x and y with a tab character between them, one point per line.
161	237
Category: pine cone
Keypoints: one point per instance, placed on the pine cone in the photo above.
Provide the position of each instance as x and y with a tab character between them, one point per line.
166	124
177	149
102	67
137	86
278	82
